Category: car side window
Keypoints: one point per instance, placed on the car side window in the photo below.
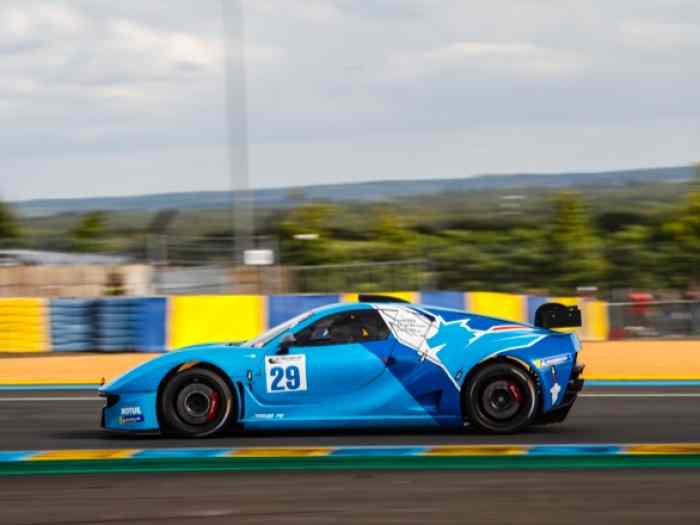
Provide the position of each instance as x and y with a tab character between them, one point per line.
357	326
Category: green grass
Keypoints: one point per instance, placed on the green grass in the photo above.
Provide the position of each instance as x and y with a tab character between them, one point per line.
564	462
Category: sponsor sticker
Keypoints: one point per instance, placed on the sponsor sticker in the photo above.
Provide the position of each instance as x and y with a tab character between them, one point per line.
266	415
285	373
546	362
131	415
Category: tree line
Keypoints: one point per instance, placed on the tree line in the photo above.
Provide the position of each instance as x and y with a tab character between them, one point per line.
566	247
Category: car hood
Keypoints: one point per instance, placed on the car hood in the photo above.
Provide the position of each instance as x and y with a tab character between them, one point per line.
146	377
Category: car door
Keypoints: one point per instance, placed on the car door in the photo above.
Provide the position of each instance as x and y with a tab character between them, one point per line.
334	357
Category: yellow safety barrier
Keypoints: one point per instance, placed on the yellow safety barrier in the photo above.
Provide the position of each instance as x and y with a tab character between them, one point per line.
214	318
501	305
566	301
570	301
596	325
24	325
25	322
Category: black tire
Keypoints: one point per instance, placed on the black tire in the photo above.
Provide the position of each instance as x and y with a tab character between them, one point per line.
196	403
500	398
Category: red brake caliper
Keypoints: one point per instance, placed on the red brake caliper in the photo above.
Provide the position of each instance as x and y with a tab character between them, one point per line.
213	405
515	392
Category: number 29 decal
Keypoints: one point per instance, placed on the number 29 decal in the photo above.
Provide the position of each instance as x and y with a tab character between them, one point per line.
285	373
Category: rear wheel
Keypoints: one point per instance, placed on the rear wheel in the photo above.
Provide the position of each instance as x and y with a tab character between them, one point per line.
196	403
501	398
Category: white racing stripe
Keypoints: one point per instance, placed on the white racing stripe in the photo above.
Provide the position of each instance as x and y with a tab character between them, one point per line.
25	399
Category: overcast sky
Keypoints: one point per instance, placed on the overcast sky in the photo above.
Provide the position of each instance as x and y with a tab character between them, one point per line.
101	97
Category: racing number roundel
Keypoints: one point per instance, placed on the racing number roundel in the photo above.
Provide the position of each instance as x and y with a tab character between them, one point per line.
285	373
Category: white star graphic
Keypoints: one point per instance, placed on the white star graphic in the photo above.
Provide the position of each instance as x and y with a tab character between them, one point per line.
555	392
430	353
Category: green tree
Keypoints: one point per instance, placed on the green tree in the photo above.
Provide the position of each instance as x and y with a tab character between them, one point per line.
306	234
682	235
574	249
389	226
90	232
162	221
632	261
527	256
391	238
473	261
9	229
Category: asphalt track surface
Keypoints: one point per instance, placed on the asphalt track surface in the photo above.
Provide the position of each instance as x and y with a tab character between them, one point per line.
526	498
70	420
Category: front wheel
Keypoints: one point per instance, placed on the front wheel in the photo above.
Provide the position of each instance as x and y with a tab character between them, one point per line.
501	398
195	403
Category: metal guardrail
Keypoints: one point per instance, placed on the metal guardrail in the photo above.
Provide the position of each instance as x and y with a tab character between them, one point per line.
411	274
191	281
654	319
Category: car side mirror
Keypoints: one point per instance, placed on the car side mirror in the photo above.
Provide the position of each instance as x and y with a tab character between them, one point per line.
287	341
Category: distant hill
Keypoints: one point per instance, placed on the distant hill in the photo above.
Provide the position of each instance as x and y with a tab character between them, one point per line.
353	192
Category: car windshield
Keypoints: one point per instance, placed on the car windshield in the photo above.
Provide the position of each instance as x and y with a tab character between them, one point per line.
268	336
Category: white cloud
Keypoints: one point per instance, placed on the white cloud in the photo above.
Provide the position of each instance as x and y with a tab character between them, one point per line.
30	25
661	36
120	78
256	54
523	59
316	11
460	50
61	18
179	49
15	24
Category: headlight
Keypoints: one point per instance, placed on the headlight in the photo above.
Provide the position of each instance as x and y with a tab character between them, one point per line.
112	399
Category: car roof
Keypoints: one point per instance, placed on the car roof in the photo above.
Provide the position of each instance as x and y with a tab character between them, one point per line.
344	307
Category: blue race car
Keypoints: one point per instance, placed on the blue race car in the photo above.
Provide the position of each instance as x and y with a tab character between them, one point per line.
376	363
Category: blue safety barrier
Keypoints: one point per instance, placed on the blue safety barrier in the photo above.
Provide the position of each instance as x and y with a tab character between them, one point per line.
114	320
149	324
120	324
443	299
533	303
283	307
72	325
133	324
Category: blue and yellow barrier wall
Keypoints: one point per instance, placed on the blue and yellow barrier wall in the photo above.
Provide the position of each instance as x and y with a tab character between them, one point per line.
24	325
158	324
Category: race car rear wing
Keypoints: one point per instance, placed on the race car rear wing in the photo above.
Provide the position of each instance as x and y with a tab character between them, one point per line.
555	315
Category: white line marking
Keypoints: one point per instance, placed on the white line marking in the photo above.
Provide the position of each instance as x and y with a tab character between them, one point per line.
641	395
23	399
